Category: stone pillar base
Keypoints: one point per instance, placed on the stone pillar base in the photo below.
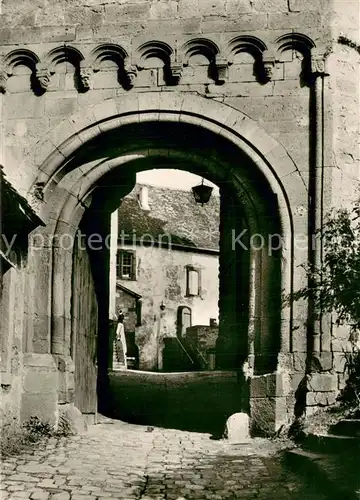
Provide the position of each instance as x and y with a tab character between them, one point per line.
270	402
322	391
40	389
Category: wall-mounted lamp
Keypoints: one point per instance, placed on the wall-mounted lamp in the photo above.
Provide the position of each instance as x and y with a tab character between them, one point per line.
202	193
162	306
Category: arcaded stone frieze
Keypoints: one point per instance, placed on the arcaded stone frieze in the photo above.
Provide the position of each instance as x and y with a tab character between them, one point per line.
173	55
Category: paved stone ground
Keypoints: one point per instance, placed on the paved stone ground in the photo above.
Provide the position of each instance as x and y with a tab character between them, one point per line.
116	460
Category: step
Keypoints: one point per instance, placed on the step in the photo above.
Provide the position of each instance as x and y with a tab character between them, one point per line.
347	427
329	443
323	473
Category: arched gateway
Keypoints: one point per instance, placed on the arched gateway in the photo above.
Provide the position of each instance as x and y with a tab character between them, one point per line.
84	178
256	96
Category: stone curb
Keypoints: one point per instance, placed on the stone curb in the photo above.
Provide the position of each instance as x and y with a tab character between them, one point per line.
328	443
313	468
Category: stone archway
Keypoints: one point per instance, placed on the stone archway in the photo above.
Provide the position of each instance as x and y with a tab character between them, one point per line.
74	172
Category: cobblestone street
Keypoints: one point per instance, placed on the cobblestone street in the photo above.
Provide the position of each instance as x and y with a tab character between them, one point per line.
119	460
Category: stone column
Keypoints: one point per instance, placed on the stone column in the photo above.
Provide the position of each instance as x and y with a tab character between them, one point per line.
318	74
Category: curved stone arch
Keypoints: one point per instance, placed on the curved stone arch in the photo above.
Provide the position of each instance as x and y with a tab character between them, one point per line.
202	46
18	57
155	48
66	53
113	113
107	52
294	41
245	43
300	43
267	154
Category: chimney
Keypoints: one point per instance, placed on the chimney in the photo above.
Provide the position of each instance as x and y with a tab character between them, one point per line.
144	197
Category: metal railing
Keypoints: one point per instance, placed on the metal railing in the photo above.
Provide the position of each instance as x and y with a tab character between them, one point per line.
185	350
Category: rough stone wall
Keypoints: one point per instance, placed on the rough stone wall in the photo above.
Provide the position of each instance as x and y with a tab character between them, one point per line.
345	63
11	335
161	276
281	105
90	17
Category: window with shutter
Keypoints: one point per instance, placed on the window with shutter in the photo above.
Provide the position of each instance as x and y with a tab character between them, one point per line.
126	261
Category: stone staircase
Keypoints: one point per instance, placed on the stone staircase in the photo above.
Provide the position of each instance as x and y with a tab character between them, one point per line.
117	365
331	461
347	427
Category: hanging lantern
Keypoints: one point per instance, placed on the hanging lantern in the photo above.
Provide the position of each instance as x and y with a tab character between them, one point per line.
202	193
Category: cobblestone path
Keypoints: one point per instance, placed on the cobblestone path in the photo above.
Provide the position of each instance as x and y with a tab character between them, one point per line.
124	461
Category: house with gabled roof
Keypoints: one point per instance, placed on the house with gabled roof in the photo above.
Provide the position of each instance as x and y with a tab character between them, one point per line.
167	267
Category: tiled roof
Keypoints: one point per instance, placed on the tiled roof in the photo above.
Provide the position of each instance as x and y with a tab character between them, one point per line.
172	212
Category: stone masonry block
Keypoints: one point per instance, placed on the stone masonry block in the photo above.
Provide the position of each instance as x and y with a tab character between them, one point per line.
164	10
322	382
295	380
40	381
339	362
61	107
174	26
242	22
304	19
22	35
320	398
65	364
41	405
258	387
300	361
105	109
128	103
341	346
305	5
267	415
39	360
194	8
326	360
24	106
119	14
271	5
89	16
281	412
278	385
262	416
236	7
342	379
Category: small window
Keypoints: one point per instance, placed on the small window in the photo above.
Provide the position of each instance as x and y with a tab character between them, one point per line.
126	269
193	281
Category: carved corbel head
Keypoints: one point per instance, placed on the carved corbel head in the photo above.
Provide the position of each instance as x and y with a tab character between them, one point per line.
131	74
318	65
38	191
85	76
268	63
176	72
3	81
43	75
269	70
222	71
